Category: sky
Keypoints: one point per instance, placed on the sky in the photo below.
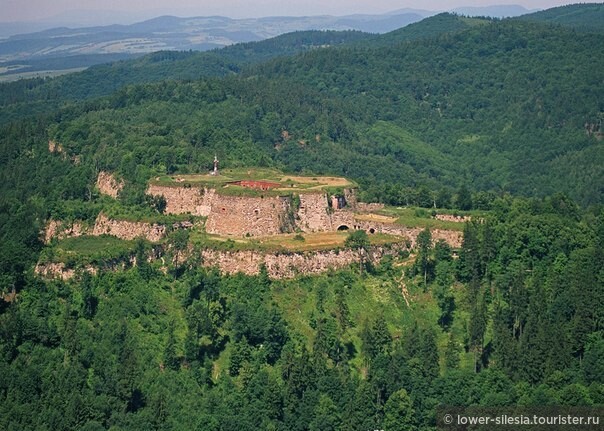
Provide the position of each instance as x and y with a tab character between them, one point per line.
132	10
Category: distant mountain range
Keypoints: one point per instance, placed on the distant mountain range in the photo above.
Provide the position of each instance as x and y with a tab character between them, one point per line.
43	53
27	41
172	33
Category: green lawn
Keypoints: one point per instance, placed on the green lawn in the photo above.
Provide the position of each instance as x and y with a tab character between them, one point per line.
422	217
88	249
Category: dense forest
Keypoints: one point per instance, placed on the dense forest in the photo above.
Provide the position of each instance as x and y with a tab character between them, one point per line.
452	112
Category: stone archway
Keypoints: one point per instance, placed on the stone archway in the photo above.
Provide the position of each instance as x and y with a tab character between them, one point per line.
342	227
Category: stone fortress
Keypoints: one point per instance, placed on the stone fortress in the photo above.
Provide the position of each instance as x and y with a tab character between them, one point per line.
252	204
284	205
313	211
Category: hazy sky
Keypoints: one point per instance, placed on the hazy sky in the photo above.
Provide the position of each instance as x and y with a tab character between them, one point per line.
31	10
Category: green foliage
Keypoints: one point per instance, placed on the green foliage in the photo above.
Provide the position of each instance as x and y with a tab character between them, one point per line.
399	413
478	109
587	17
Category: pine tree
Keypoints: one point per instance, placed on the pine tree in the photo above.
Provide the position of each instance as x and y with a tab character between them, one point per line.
399	414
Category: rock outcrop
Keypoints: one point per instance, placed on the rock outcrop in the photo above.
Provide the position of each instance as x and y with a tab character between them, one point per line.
54	147
103	225
58	229
288	265
108	184
128	230
453	218
58	270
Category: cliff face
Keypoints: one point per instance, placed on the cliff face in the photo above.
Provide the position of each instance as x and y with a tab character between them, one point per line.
127	230
103	225
108	184
60	230
287	265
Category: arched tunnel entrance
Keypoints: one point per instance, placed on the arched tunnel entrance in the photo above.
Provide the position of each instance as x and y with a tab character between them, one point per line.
342	227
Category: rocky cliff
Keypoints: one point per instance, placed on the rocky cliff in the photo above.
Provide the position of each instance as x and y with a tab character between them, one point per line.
128	230
288	265
108	184
103	225
58	229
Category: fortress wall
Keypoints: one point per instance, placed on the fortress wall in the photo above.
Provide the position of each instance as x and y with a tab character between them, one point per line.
453	238
453	218
313	213
351	198
236	215
180	200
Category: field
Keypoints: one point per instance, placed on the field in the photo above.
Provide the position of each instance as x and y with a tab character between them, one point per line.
223	182
419	217
286	242
88	249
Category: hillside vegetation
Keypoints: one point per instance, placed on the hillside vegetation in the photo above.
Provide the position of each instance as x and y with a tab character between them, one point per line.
586	17
498	119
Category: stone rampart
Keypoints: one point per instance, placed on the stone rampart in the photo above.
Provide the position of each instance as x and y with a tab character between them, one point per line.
314	214
453	238
181	200
453	218
249	216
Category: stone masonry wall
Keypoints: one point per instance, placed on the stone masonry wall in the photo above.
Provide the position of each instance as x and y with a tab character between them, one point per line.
453	218
315	216
241	216
313	213
453	238
180	200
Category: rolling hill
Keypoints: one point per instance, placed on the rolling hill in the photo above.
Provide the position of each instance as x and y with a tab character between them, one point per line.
585	17
504	106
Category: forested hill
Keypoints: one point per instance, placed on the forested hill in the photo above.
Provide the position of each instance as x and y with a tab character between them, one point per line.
587	17
455	119
435	26
496	105
41	95
516	104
